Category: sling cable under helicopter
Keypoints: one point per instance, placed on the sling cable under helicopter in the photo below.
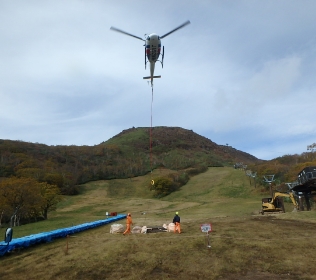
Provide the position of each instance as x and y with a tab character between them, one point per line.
150	135
152	53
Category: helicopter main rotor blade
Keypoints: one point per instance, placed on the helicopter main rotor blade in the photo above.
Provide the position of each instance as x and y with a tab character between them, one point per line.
182	25
126	33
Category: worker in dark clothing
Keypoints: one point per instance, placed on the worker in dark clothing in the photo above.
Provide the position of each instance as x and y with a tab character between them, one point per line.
176	221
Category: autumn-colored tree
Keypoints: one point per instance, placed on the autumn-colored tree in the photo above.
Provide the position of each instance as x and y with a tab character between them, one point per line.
51	196
54	179
4	210
291	175
21	197
36	173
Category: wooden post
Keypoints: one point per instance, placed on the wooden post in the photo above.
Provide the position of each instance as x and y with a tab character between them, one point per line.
67	238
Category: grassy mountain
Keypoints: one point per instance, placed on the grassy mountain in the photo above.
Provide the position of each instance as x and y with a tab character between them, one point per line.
123	156
175	147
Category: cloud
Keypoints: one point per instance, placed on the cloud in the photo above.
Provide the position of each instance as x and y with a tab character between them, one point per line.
241	73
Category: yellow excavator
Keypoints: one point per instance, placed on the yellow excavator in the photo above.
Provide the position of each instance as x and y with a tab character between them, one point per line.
275	203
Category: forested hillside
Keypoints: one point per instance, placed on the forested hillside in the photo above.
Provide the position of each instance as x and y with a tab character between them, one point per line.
285	168
125	155
33	176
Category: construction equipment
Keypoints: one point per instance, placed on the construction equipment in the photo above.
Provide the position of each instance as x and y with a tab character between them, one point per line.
275	203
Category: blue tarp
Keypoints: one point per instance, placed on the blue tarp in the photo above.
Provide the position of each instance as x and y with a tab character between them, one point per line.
50	235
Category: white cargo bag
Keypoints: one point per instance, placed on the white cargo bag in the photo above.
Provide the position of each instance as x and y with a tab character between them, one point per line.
171	227
117	228
136	229
144	229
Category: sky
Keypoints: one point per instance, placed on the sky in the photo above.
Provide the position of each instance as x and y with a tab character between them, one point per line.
241	74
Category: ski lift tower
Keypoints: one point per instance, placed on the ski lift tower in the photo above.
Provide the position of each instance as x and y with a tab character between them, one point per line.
254	175
312	147
251	174
269	179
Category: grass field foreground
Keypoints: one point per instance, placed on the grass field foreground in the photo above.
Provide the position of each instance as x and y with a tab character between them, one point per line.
244	245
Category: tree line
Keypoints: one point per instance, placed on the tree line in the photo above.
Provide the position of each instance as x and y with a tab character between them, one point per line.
285	169
25	200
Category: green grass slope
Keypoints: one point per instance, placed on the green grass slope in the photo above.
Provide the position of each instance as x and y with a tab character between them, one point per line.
243	246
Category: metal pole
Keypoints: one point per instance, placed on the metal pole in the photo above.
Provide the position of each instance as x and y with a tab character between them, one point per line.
11	220
269	179
208	240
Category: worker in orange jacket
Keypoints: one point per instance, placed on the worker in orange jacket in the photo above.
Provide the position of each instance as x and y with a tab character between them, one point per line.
176	221
129	222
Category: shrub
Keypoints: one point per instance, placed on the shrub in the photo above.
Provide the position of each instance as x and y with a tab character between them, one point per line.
162	186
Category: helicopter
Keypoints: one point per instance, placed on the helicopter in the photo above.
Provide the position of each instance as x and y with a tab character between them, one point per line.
152	48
